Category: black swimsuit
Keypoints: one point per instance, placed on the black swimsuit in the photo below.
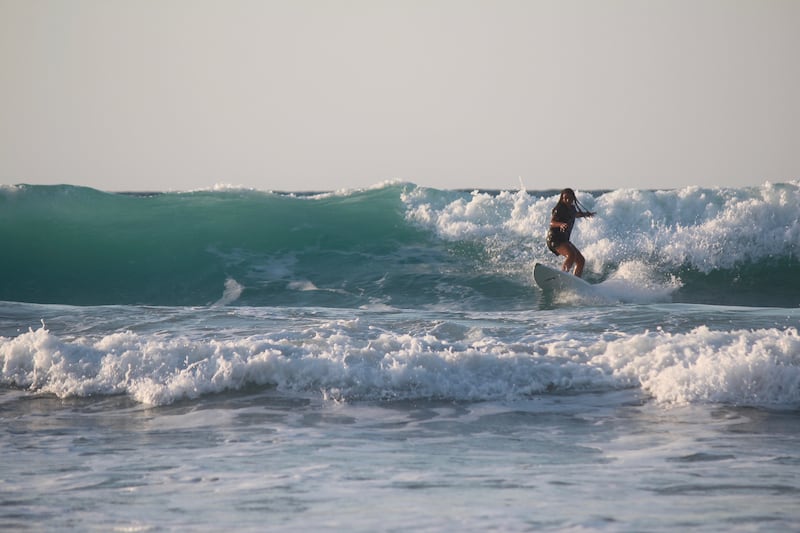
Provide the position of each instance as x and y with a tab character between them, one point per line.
556	236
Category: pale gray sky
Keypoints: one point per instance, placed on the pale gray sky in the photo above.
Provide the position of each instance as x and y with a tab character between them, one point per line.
331	94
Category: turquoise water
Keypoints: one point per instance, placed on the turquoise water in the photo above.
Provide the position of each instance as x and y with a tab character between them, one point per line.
397	245
382	360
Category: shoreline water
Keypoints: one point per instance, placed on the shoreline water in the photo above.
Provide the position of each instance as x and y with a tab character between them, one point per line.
249	460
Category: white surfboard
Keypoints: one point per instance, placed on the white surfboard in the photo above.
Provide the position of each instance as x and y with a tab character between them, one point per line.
552	280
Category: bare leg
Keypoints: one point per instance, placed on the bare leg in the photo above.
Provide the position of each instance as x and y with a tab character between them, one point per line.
579	262
568	263
573	258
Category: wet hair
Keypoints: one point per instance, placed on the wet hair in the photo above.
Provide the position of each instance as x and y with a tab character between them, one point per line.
569	192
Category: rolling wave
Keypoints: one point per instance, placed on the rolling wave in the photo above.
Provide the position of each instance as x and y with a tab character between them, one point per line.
396	245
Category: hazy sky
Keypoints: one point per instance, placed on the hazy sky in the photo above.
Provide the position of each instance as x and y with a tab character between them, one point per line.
330	94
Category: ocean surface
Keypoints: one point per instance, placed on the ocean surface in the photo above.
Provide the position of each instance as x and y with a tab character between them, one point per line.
382	360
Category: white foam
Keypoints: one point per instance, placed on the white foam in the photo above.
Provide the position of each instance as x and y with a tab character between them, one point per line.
760	367
637	282
302	286
705	229
348	359
231	293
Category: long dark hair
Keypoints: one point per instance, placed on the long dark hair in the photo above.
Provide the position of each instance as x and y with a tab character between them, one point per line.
569	192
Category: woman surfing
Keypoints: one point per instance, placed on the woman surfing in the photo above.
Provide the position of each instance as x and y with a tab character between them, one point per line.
564	214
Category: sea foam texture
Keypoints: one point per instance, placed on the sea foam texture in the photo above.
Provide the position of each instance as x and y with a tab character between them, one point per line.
349	360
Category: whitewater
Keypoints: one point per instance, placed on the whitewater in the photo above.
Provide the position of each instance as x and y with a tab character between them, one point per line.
382	360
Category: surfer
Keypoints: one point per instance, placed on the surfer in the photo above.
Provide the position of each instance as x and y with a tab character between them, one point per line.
564	214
